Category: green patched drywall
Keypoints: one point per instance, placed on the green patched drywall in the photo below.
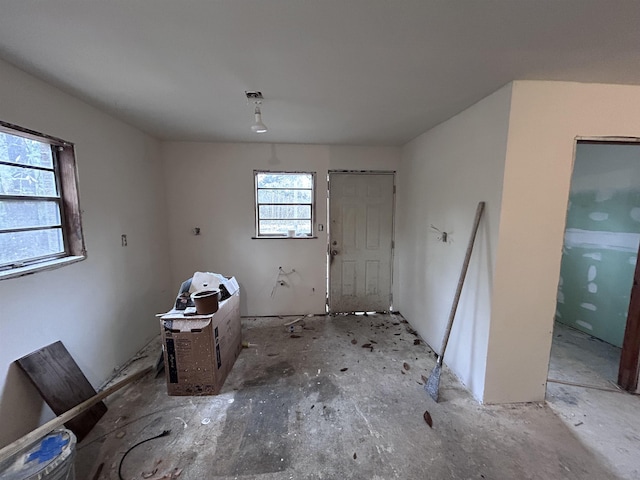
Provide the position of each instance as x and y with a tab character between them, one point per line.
601	240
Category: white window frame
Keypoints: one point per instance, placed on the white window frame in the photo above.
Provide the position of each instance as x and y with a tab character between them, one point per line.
257	204
64	170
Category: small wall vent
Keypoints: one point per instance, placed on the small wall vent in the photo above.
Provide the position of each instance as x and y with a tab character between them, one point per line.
252	95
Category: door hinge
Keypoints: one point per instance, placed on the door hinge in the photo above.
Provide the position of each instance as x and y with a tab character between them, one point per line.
393	244
394	189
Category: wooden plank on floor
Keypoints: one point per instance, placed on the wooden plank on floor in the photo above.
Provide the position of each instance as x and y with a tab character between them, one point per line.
62	385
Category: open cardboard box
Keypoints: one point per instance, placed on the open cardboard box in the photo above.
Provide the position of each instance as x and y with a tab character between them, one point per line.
200	350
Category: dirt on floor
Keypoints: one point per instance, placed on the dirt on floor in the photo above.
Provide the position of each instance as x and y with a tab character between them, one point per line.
332	398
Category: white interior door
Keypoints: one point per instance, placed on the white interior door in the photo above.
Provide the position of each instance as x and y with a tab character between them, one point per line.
360	241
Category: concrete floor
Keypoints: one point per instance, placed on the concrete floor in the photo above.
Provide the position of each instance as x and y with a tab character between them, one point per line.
607	423
321	407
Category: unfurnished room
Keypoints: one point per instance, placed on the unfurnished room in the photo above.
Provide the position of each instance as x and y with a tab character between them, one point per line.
285	239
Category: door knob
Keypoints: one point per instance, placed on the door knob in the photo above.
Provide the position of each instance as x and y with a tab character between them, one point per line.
334	253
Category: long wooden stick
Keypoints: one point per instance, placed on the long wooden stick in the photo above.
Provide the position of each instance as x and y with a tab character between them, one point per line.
463	274
41	431
583	385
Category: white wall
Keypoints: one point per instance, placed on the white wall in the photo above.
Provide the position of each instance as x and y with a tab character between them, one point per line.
210	186
546	118
103	307
444	173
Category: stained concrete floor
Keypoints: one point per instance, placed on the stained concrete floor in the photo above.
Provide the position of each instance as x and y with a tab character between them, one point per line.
318	406
608	423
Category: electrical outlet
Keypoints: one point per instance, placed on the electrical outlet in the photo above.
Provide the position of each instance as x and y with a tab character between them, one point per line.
123	240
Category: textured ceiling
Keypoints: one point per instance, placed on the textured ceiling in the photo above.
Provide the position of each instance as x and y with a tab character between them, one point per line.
360	72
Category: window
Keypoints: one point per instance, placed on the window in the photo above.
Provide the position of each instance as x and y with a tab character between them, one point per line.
284	203
39	211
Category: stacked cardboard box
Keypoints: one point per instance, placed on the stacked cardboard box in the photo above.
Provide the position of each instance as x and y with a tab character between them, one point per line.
200	350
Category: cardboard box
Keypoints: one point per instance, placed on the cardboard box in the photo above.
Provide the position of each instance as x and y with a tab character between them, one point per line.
200	350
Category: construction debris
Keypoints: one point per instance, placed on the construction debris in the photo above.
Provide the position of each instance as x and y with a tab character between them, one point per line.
428	419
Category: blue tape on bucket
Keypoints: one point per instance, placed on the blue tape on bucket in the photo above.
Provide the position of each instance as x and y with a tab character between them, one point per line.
50	448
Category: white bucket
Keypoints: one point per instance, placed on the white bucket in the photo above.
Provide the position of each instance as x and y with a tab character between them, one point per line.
50	458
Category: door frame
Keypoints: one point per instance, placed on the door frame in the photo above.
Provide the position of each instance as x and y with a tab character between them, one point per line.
328	223
630	355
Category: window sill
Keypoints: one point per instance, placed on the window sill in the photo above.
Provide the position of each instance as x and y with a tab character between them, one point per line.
49	265
283	237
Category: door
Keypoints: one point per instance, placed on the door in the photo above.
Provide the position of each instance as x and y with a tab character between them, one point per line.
360	241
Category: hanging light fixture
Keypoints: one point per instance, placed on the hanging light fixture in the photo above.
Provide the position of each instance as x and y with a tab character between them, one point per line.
256	98
258	126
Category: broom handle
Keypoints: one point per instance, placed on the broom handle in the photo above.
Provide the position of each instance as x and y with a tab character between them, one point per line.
463	274
41	431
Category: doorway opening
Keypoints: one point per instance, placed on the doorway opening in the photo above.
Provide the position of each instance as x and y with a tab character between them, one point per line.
360	219
597	322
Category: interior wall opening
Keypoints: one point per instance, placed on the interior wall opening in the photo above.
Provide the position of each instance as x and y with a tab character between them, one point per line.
599	258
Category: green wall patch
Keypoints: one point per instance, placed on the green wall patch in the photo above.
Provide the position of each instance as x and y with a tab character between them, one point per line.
601	241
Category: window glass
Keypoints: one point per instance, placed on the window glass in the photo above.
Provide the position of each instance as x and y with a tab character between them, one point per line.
24	151
32	199
23	181
284	203
27	214
30	244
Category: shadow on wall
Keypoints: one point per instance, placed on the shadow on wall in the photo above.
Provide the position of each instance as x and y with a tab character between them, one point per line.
19	395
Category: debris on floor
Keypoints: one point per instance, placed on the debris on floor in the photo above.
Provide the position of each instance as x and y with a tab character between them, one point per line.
427	418
264	424
149	474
